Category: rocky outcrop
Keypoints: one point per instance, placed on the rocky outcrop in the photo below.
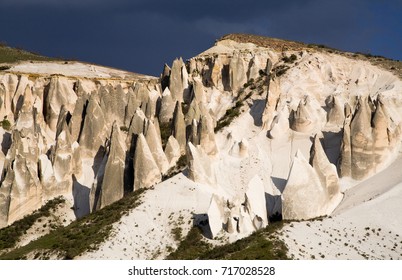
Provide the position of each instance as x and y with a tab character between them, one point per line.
167	107
59	93
155	145
207	135
241	216
179	127
237	72
111	187
336	115
302	120
178	82
362	142
306	194
199	166
93	133
146	171
172	151
369	141
280	125
327	174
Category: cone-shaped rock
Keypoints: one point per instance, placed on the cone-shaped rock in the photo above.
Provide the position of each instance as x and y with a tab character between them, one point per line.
112	188
215	215
172	151
255	202
155	146
199	164
303	197
93	131
146	171
207	135
167	107
362	142
336	115
60	93
178	82
237	72
179	127
326	173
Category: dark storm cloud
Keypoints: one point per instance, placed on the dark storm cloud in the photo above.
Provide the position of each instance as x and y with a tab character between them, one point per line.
142	35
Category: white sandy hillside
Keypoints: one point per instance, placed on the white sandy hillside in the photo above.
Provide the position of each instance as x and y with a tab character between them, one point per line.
366	225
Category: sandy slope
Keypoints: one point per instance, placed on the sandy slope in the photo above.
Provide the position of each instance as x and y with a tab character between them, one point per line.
146	232
367	223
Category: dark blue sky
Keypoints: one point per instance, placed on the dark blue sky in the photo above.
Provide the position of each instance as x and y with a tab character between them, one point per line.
142	35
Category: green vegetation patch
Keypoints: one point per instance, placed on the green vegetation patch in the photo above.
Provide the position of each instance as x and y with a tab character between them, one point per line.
5	124
261	245
82	235
229	116
11	55
10	235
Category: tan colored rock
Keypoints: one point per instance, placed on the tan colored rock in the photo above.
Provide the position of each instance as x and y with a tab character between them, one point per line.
178	83
207	135
172	151
17	98
167	107
179	127
336	115
362	142
112	185
194	137
193	113
60	93
155	145
303	197
93	133
77	116
302	119
199	165
237	72
327	174
132	105
146	171
26	190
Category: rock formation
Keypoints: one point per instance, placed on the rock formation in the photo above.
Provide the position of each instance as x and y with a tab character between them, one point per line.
111	187
310	192
146	171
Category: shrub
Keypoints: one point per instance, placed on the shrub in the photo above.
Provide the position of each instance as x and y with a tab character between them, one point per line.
4	67
5	124
289	59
